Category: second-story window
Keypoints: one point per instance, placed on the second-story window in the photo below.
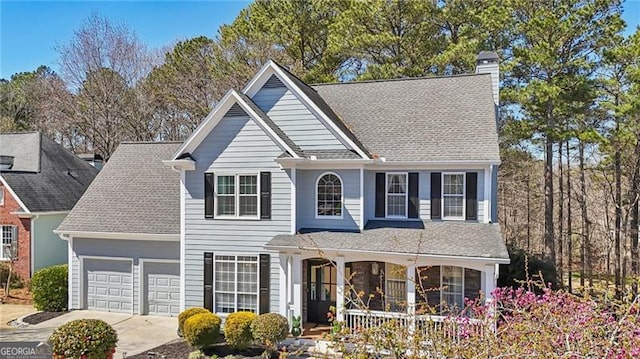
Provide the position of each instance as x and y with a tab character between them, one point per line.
396	195
237	195
453	195
329	196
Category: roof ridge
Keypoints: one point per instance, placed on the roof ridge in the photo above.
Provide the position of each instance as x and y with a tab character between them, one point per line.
398	79
149	142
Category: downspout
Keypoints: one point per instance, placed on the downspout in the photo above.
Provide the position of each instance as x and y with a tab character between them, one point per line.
32	244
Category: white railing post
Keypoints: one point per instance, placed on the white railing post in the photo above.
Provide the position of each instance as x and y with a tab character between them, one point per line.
340	305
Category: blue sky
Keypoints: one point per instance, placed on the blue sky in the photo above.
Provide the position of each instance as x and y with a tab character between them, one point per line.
29	30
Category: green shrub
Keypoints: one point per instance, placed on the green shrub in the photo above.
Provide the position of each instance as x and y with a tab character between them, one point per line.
86	338
237	329
201	331
49	288
186	314
514	273
269	329
16	280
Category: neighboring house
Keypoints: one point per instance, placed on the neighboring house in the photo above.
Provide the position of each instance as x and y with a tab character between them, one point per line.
123	235
40	182
286	189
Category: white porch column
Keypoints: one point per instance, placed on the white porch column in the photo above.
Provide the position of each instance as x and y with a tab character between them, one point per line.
411	297
297	284
489	277
340	304
282	284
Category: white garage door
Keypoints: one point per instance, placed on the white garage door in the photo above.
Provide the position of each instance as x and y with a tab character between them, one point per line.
109	285
163	288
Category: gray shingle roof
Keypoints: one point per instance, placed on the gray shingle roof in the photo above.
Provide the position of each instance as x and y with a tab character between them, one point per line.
134	193
427	238
426	119
45	176
332	154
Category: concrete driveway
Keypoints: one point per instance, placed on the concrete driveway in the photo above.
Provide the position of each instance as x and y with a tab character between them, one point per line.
136	333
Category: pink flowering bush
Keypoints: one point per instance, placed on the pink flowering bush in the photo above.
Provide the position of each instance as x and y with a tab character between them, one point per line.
517	323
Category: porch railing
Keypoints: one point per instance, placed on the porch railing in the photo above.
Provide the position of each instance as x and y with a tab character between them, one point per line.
428	326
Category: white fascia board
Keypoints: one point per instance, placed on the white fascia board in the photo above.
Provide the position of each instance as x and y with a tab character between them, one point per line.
206	126
37	214
184	164
215	116
307	163
119	235
270	68
13	194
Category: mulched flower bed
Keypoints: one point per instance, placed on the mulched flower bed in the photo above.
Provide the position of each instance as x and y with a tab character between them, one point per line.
180	349
41	317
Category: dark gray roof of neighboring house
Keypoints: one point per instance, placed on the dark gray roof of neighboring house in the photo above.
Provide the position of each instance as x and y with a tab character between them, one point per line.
459	239
419	119
294	147
134	193
45	176
312	94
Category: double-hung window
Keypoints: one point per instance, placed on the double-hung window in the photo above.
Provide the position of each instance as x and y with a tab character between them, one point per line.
453	287
329	196
396	195
9	241
395	288
236	283
453	195
237	195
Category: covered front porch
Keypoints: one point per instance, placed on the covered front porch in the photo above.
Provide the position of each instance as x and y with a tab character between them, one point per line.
367	290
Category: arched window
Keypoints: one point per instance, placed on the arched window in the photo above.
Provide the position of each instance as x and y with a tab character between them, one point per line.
329	196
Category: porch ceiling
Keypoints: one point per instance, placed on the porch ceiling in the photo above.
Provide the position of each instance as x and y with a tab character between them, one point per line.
459	239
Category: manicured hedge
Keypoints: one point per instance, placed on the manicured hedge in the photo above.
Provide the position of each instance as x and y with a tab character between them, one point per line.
49	288
269	329
237	329
84	338
202	330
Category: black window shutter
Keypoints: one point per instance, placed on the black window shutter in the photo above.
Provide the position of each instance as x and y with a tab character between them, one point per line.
265	195
208	281
380	194
414	198
471	191
436	195
209	185
265	271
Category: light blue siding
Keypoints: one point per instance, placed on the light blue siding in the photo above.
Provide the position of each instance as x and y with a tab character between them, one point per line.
300	124
235	145
306	200
424	193
48	248
118	248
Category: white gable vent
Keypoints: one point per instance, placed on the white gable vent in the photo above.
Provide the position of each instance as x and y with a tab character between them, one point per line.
236	110
273	82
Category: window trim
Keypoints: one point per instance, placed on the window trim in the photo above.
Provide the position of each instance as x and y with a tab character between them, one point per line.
1	196
464	196
442	290
236	195
386	195
236	292
341	216
386	284
13	230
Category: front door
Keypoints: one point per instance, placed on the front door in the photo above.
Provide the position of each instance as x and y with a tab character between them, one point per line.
321	276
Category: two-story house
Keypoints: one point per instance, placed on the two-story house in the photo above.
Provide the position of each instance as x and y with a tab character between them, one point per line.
293	198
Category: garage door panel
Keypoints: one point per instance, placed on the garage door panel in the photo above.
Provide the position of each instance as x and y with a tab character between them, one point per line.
108	285
162	288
